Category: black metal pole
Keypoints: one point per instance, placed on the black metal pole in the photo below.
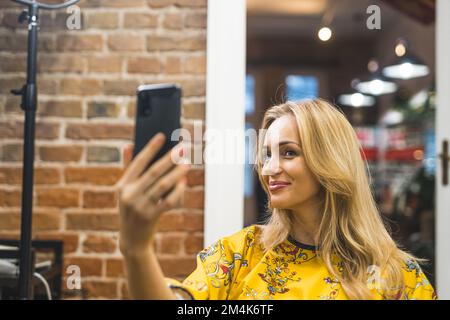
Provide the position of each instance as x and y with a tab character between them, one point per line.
29	104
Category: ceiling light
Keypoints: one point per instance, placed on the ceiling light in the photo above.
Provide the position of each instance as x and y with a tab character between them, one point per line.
374	84
324	34
406	65
356	100
392	117
406	68
400	50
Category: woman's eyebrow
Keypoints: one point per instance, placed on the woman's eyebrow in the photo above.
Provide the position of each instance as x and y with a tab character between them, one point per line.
283	143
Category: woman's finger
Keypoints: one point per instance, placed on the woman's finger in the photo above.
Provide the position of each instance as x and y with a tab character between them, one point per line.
163	185
158	169
127	154
175	197
142	159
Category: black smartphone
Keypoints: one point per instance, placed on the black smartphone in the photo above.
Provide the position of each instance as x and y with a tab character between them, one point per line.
158	109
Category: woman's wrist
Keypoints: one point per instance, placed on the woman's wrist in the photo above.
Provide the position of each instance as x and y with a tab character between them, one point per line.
130	245
131	251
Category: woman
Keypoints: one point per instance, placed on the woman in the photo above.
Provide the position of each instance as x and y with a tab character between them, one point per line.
324	240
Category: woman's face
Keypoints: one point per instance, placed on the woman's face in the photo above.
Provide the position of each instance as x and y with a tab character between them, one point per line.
290	181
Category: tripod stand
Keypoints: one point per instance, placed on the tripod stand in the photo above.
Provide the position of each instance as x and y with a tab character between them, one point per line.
29	105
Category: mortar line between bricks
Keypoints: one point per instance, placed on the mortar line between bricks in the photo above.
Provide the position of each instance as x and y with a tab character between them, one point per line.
135	31
107	76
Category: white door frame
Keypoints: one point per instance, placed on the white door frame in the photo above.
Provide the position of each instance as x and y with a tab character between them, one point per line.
225	110
442	132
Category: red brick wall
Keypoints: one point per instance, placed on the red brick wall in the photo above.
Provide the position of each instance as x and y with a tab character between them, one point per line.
87	81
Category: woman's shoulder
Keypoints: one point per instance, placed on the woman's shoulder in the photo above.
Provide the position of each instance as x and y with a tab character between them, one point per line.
412	271
242	239
417	284
246	232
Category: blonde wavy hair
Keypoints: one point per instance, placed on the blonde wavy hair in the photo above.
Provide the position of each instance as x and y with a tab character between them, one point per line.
351	227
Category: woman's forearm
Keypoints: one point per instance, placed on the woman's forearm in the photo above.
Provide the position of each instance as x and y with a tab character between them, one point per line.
145	277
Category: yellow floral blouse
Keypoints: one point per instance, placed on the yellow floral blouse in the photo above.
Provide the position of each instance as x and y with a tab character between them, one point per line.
235	267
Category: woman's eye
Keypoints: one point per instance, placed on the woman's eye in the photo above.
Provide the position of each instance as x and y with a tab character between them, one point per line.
290	153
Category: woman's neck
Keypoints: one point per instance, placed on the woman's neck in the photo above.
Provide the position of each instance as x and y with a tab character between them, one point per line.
306	222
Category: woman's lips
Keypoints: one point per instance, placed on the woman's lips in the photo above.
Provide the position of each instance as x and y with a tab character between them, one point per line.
276	187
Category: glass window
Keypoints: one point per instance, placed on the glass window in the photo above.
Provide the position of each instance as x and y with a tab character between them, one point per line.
249	94
299	87
249	158
249	109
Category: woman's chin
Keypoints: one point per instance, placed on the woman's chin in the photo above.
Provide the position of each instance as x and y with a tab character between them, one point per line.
279	203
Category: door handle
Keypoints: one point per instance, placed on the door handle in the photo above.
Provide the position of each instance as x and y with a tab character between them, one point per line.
445	159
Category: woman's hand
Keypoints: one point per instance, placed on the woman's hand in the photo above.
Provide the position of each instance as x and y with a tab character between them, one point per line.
141	192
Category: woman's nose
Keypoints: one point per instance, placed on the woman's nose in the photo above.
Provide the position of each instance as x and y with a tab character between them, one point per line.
272	166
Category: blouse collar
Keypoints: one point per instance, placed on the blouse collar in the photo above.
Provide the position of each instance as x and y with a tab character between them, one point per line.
300	244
